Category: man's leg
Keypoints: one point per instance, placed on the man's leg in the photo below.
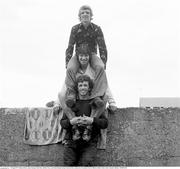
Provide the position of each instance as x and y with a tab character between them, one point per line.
69	113
96	61
88	155
73	64
110	99
70	80
70	96
100	84
96	112
101	144
61	96
69	155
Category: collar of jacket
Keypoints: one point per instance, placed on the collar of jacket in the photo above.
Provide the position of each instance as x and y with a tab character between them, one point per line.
91	25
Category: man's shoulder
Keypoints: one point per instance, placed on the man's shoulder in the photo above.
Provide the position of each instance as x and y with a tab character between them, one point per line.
95	26
75	27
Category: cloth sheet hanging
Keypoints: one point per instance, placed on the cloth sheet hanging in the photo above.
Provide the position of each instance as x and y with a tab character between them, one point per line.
42	127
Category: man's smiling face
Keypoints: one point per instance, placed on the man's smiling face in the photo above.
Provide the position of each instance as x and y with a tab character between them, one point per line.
85	15
83	88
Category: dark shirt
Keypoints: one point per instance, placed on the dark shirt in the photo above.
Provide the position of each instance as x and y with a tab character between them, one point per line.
84	107
92	36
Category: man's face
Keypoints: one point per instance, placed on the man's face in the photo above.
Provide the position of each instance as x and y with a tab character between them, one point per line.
83	59
85	15
83	88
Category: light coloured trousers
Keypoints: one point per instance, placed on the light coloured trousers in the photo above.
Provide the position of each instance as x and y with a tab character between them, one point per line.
100	88
100	79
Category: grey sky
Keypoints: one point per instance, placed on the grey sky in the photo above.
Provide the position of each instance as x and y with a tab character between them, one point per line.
142	37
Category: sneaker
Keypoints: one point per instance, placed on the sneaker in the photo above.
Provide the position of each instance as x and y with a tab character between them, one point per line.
70	102
76	135
98	102
50	104
70	98
86	135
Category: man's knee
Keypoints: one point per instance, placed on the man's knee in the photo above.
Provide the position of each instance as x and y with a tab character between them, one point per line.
99	68
73	65
71	71
96	61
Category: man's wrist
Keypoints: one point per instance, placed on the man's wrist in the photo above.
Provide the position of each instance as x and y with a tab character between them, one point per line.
92	120
71	122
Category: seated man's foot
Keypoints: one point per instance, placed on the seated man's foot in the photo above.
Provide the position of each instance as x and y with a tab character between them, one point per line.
112	108
70	98
56	110
70	102
76	135
50	104
86	135
98	102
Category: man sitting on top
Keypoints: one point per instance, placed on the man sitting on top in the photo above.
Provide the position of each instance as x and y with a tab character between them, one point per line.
90	34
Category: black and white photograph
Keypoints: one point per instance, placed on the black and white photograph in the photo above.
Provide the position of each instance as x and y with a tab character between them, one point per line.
89	83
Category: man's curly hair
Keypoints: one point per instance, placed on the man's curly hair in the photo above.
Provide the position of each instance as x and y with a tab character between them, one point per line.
83	78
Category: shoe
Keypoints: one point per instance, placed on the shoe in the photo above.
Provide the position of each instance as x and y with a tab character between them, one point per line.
70	98
76	135
98	102
70	102
50	104
86	135
56	110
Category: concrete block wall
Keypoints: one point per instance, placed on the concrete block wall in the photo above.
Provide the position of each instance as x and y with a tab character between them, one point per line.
136	137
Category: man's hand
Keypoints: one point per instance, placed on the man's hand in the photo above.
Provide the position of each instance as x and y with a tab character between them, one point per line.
104	59
112	108
76	120
87	120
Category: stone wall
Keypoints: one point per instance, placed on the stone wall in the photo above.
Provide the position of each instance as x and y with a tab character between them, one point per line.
136	137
